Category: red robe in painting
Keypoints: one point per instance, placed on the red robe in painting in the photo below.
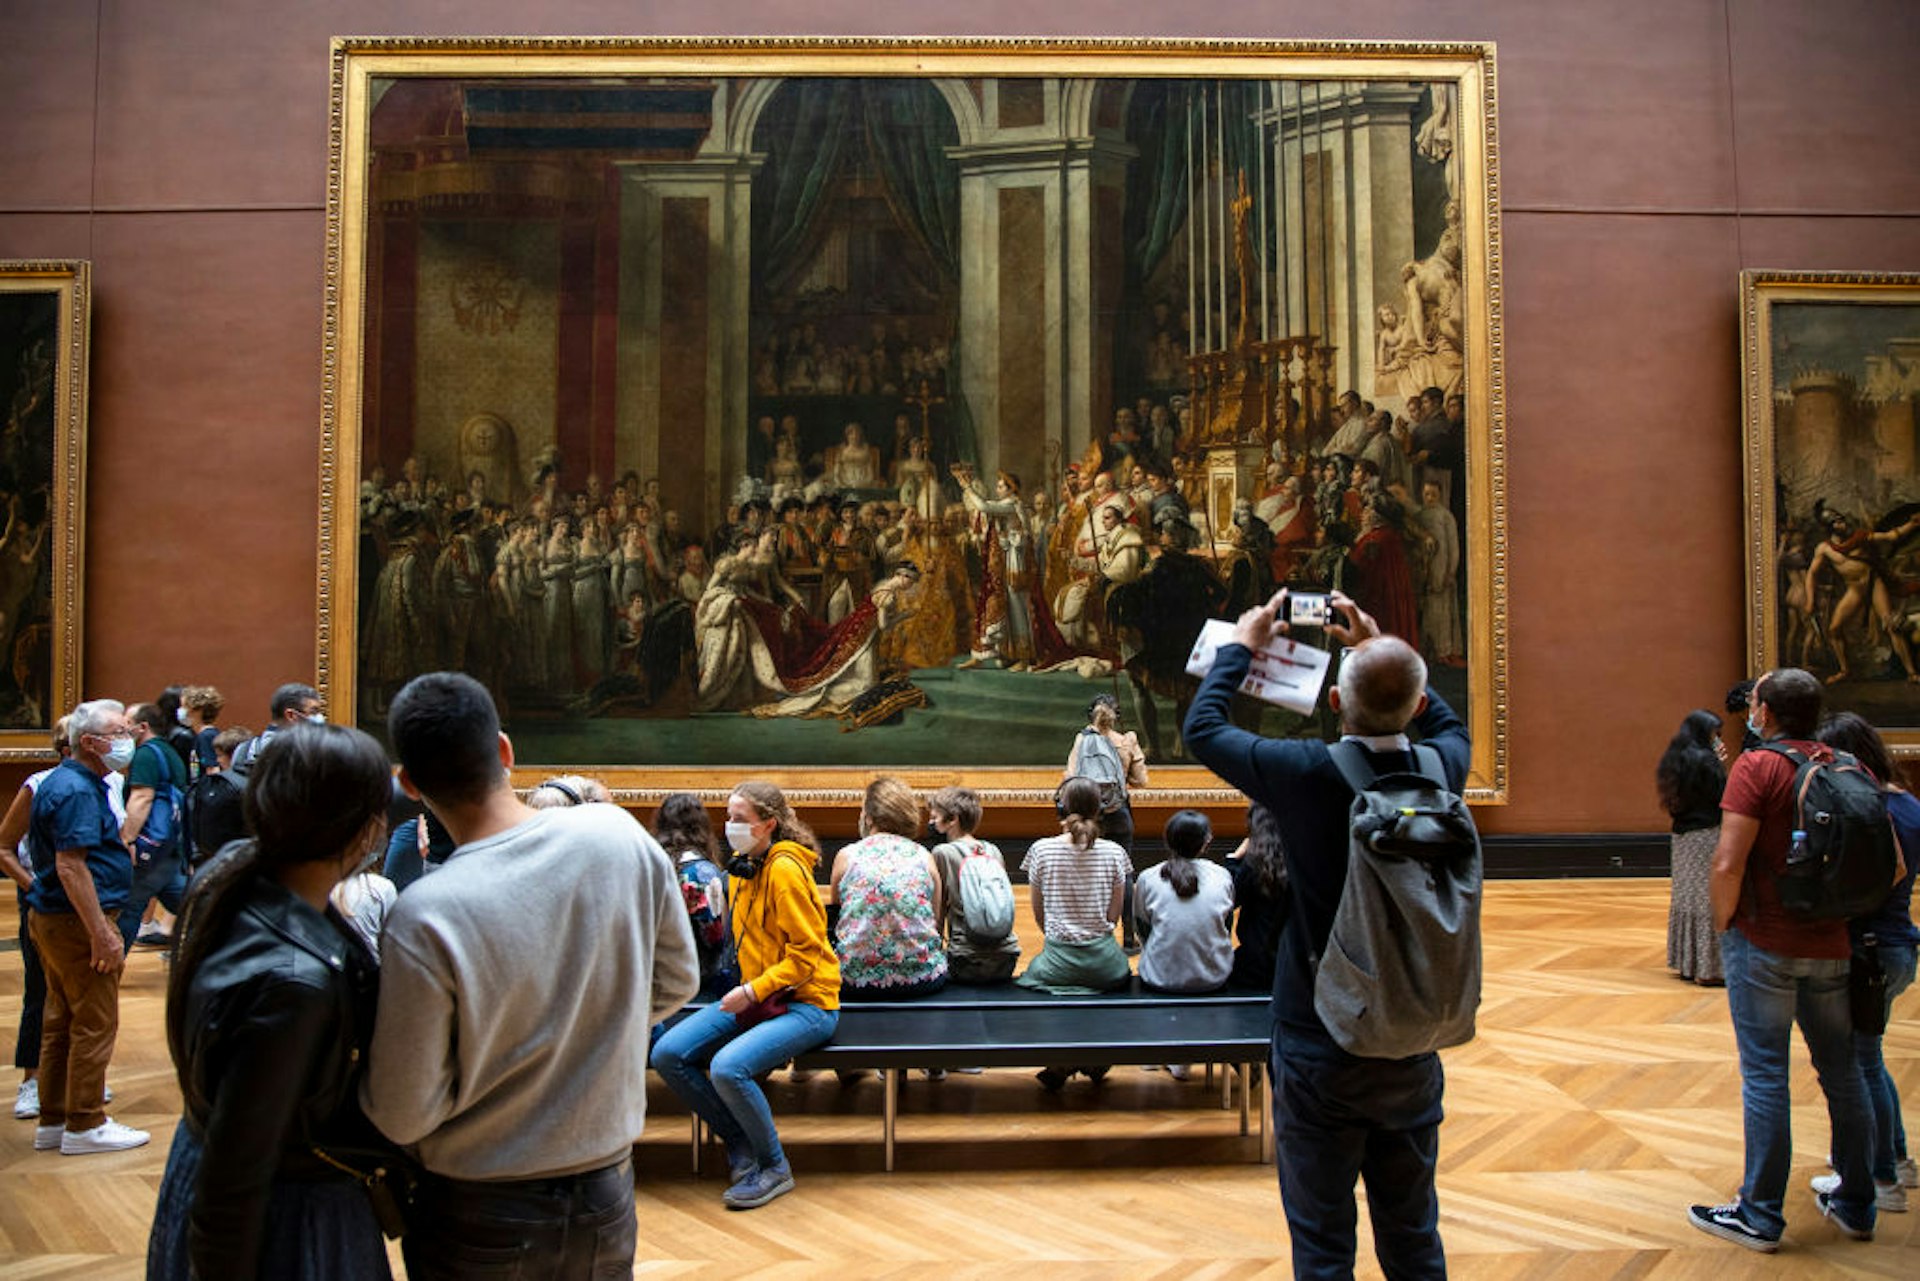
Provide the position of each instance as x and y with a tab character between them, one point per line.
1383	584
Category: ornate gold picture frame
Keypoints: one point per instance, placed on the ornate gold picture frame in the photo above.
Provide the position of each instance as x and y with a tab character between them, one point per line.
44	314
1830	366
591	303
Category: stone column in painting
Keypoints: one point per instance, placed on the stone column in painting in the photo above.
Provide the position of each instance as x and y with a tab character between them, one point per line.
682	346
1041	183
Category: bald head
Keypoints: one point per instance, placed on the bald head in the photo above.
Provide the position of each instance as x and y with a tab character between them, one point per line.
1381	684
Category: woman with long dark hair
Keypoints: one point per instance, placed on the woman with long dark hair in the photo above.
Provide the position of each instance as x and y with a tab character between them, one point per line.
270	1006
787	1001
1183	909
1691	776
1891	940
685	832
1259	871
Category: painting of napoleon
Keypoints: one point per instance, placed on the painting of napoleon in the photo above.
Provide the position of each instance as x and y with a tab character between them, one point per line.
859	421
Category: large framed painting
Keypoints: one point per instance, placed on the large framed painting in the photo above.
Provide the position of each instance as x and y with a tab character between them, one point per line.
1831	371
817	408
43	393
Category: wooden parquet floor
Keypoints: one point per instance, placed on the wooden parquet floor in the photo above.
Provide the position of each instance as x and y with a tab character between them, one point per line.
1600	1099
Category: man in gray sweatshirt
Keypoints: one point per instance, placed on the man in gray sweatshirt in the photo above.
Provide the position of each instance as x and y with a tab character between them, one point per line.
517	988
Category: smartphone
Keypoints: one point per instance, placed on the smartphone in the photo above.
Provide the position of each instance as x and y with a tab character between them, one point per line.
1308	609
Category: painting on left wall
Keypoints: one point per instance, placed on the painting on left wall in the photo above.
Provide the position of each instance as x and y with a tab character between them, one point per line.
44	314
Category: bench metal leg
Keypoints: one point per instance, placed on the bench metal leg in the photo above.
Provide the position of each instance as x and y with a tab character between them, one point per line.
1245	1072
1266	1113
698	1137
890	1112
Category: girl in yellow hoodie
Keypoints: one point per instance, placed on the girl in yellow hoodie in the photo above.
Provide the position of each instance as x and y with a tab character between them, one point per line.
787	1001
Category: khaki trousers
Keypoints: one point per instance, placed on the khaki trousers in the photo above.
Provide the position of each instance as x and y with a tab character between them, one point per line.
81	1023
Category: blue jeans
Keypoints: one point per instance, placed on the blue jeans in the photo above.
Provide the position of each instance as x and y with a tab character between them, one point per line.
578	1227
163	878
1767	995
1338	1118
711	1064
1889	1135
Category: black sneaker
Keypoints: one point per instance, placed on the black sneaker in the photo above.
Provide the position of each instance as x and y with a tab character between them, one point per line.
1825	1201
1727	1223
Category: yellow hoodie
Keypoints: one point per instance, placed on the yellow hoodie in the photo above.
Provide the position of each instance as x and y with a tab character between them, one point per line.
780	929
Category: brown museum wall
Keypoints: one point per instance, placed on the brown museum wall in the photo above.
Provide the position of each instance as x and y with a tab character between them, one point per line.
1650	149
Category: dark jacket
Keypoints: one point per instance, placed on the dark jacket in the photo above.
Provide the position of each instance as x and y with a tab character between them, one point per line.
278	1017
1297	779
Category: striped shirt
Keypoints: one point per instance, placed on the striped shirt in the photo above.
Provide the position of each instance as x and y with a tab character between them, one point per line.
1076	886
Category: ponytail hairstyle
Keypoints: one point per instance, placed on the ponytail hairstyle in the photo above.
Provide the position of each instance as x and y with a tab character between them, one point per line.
1103	713
769	801
314	794
1078	804
1188	834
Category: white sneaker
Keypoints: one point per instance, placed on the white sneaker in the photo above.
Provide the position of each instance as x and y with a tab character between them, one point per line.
1180	1071
26	1101
1906	1173
47	1137
1890	1198
108	1136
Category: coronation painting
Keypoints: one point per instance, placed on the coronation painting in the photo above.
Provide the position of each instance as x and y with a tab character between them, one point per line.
43	395
1832	373
812	408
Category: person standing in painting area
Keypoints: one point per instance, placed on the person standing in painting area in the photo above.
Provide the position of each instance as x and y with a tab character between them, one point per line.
1011	618
82	875
1884	941
1338	1117
1691	776
518	986
1782	969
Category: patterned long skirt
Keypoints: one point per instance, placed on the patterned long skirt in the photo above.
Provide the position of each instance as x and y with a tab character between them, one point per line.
1693	949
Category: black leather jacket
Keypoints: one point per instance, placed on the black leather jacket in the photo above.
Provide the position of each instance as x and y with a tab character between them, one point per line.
278	1019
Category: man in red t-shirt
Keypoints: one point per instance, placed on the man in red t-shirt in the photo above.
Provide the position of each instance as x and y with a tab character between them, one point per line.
1782	968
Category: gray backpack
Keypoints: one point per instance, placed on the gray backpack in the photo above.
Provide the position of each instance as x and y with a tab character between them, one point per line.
1100	763
1401	973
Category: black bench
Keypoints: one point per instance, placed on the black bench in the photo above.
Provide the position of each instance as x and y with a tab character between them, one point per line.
1009	1026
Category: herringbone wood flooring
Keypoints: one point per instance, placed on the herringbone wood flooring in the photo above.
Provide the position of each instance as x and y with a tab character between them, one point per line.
1600	1099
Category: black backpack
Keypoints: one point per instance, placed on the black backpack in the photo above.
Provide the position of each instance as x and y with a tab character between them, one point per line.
1848	866
1401	973
212	814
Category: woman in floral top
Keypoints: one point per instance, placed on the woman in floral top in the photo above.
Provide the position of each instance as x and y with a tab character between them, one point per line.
888	889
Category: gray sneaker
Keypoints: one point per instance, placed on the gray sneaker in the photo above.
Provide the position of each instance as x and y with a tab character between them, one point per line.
760	1187
1906	1173
26	1101
1888	1198
1825	1201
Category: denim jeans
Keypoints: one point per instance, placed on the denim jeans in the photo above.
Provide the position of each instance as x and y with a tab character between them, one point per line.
163	878
711	1064
1767	994
33	997
1338	1118
578	1227
1889	1135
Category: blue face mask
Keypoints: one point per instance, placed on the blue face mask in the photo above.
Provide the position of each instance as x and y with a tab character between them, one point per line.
1753	726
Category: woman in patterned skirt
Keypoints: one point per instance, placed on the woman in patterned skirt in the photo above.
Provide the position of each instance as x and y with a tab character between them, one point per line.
1692	774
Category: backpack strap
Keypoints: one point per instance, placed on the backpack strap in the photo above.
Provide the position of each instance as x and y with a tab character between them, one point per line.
1794	754
1351	760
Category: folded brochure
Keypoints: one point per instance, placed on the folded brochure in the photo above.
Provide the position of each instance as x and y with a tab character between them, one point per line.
1283	672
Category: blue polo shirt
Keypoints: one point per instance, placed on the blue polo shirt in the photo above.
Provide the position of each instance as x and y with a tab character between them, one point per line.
71	811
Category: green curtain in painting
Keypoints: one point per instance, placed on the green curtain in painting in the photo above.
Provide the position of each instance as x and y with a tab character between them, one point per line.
806	135
1168	120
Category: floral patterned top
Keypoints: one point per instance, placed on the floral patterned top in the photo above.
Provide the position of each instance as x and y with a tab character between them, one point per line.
703	887
888	936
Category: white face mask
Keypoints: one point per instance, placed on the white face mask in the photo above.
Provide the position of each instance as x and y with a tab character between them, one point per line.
739	837
180	714
119	753
318	718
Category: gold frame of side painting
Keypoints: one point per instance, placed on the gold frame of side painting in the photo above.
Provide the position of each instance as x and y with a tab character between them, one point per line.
1830	372
44	319
1016	105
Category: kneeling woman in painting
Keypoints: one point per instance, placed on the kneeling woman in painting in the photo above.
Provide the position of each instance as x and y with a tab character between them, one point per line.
788	1000
270	1006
